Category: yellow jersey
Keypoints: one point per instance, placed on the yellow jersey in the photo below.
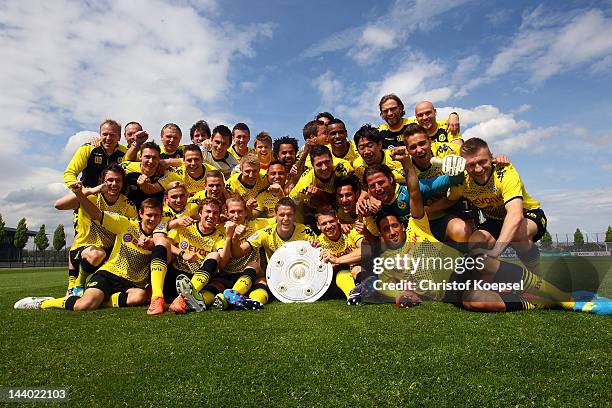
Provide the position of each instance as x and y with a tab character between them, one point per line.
436	261
127	260
237	265
89	233
396	167
503	186
89	161
393	137
234	153
269	239
308	178
191	239
346	244
234	185
193	185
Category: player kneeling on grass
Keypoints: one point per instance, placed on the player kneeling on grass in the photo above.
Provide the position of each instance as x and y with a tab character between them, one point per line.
193	248
342	250
442	283
121	280
512	217
92	243
239	275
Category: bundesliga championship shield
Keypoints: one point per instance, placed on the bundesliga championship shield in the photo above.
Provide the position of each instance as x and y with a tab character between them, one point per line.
295	273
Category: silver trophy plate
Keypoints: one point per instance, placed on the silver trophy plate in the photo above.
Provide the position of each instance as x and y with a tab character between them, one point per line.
295	273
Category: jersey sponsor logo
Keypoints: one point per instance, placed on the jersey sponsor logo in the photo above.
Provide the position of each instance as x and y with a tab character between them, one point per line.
486	200
127	238
184	245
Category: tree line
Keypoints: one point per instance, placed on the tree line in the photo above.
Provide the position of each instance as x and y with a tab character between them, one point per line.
40	240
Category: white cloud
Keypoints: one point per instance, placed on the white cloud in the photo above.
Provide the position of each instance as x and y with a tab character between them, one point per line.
548	44
68	65
386	32
329	88
414	80
587	209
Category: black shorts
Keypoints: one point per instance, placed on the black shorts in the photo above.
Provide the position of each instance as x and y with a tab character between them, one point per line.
455	297
494	226
109	283
172	273
75	255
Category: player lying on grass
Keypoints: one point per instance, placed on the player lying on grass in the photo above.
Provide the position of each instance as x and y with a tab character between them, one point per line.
121	280
417	242
512	217
92	243
231	278
341	250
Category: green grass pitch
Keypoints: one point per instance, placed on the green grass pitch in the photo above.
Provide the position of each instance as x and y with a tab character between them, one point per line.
323	354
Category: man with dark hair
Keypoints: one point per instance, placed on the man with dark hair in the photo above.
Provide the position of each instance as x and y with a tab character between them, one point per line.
118	281
218	156
143	178
446	226
392	111
341	147
267	199
318	181
214	188
285	151
369	142
199	132
324	117
341	250
92	243
193	170
392	198
241	135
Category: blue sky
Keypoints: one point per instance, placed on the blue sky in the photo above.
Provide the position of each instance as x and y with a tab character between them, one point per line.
532	78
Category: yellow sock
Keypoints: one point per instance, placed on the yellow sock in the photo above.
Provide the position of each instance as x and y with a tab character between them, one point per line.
71	282
208	297
260	295
536	285
243	284
58	303
345	281
81	279
158	274
199	280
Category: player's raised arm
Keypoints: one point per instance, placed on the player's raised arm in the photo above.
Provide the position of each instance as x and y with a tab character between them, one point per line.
89	207
412	182
70	201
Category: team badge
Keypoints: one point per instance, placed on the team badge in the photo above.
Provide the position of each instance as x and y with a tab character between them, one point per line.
401	204
98	159
184	245
127	238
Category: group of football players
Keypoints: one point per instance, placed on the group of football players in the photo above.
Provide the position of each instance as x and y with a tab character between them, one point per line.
189	227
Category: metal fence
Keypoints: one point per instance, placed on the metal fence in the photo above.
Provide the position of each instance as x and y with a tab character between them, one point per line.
33	259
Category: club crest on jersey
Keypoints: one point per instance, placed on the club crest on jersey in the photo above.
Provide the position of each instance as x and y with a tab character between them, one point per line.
184	245
98	159
401	204
127	238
